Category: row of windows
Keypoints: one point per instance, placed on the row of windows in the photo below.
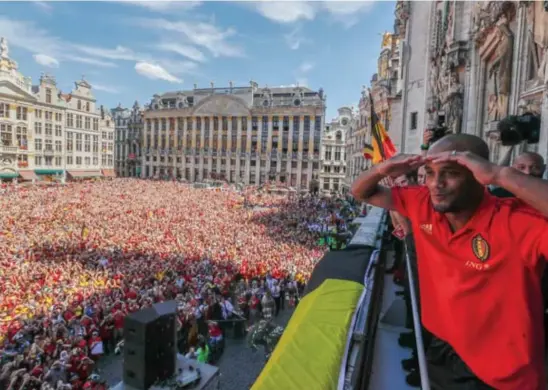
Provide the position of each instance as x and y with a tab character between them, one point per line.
48	129
329	169
86	122
162	124
338	153
50	161
48	115
21	113
48	145
7	137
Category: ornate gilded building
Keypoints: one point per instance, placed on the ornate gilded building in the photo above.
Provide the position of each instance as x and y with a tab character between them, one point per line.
482	62
334	149
249	135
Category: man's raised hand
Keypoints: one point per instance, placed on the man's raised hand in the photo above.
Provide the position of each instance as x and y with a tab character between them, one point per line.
400	165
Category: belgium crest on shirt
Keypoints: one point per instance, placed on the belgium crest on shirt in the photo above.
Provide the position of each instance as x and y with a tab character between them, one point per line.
480	247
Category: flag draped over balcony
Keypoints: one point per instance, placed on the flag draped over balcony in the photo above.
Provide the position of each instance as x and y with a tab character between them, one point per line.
382	147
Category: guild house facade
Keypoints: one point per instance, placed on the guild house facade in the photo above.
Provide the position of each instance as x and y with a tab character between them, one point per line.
247	135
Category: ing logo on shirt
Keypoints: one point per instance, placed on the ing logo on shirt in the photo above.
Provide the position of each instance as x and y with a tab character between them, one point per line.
480	247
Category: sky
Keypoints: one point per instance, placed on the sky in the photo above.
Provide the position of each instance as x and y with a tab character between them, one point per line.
131	50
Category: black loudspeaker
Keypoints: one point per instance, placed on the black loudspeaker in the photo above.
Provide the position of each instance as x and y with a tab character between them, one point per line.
150	350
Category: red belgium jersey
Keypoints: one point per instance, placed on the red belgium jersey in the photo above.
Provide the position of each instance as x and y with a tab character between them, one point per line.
480	286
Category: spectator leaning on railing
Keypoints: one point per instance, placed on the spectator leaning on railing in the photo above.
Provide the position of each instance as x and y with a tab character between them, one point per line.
479	262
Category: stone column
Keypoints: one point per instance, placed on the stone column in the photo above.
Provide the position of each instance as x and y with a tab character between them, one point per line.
248	152
280	147
220	144
145	145
289	150
193	150
228	150
300	152
238	147
259	148
310	171
182	152
269	147
543	142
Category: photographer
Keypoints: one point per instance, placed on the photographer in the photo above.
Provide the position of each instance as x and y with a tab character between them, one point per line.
480	262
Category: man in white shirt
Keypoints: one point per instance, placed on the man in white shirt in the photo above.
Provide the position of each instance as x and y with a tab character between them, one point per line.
227	308
276	294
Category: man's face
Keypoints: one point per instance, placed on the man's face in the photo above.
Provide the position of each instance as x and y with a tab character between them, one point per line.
448	184
529	165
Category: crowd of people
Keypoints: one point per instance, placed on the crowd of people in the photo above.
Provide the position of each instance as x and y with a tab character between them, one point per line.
76	259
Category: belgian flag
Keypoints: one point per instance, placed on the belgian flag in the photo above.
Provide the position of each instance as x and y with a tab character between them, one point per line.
382	147
368	152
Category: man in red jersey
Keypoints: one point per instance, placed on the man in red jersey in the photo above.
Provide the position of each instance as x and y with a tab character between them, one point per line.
480	261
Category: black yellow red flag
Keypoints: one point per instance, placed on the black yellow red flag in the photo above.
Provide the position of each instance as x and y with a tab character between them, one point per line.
383	148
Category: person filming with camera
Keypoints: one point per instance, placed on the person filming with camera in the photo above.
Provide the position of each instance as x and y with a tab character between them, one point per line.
480	262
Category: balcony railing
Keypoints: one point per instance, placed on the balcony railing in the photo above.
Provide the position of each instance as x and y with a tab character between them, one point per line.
8	149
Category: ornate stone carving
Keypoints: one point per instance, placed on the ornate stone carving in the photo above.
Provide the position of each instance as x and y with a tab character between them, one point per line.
4	51
298	96
487	14
156	103
457	54
181	101
499	73
402	16
221	106
453	104
266	97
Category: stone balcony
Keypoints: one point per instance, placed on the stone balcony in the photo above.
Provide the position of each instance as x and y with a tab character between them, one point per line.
8	149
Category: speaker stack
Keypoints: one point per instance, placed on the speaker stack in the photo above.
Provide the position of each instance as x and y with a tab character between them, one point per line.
150	345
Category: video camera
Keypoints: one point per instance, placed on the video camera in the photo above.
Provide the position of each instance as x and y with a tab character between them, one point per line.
515	129
438	132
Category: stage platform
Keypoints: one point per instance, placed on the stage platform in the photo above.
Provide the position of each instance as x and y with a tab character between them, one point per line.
209	376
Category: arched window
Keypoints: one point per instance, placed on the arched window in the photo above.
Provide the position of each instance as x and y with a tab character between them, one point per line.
338	136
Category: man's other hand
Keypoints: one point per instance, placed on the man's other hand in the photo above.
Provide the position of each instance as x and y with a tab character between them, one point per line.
484	171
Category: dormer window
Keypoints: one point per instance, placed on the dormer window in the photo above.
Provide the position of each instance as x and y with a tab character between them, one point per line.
48	95
87	106
79	105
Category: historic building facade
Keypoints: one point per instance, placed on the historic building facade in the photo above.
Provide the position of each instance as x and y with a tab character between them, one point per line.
482	62
249	135
333	151
128	134
45	134
89	135
385	95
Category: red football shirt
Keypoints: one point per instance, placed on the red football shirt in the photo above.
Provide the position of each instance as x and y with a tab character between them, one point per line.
480	286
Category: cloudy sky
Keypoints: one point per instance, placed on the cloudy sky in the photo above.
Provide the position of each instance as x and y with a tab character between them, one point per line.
131	50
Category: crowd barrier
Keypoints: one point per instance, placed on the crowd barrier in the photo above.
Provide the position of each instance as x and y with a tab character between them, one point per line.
322	340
